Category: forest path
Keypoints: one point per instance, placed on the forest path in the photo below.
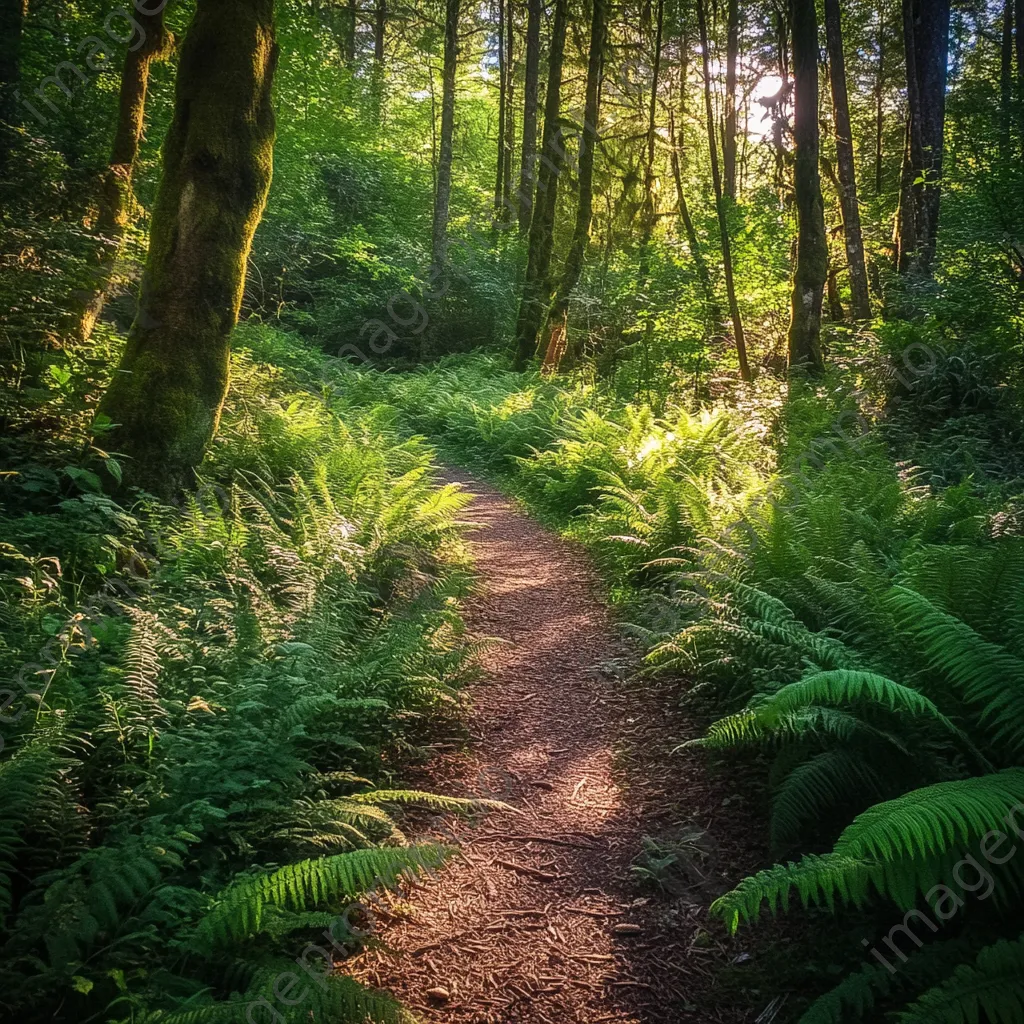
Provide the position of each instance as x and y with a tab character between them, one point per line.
538	921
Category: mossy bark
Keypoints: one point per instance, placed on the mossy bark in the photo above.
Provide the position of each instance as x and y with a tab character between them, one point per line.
167	393
812	246
555	331
115	199
537	284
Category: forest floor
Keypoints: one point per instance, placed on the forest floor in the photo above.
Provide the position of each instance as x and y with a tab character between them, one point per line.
541	919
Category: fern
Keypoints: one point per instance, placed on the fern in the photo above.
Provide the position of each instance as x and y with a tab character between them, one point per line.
992	985
899	848
238	911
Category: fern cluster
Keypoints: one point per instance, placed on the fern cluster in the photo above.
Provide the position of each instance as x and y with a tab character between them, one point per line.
207	694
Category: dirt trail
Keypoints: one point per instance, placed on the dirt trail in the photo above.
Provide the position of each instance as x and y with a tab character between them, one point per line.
539	921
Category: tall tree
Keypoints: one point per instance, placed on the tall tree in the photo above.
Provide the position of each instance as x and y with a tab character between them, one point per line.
443	188
556	324
116	196
1018	21
716	177
12	21
1006	88
678	157
812	246
879	91
166	396
926	43
861	302
380	26
732	49
499	178
537	283
531	99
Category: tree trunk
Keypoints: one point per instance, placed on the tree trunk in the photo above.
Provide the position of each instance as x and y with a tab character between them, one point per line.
860	301
723	225
732	47
879	98
380	25
556	325
1006	87
531	93
678	166
510	119
1018	20
351	23
812	247
443	189
537	285
926	41
12	21
116	196
167	393
499	178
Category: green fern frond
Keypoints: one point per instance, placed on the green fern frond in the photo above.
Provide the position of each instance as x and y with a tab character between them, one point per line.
239	909
985	674
991	988
436	802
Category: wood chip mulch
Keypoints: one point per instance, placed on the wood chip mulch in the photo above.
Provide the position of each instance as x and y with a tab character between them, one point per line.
541	919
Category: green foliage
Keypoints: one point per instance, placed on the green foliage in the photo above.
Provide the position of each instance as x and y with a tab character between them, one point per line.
203	699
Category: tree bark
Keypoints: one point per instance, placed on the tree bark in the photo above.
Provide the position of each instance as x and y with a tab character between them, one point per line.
531	94
732	47
723	224
167	393
510	119
557	317
499	178
860	301
443	189
116	196
812	246
380	26
879	101
926	42
678	166
1018	21
12	22
537	284
1006	89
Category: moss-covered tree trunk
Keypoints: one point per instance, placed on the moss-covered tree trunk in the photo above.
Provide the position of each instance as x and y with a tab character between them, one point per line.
443	187
115	192
926	43
12	21
812	246
1018	21
861	302
537	283
166	396
716	177
555	338
531	96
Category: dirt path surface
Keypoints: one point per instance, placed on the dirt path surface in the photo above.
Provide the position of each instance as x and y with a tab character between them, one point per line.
540	921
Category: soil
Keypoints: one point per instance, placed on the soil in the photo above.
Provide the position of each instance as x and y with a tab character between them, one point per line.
552	913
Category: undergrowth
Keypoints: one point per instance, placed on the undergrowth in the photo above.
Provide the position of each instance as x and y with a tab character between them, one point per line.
209	705
836	573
